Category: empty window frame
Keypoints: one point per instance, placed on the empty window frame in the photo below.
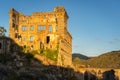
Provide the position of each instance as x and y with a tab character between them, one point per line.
44	27
31	38
14	15
40	45
24	46
16	35
32	28
50	28
13	25
47	39
41	27
24	28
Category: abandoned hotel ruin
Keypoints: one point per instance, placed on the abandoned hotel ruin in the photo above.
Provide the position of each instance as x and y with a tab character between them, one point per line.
43	30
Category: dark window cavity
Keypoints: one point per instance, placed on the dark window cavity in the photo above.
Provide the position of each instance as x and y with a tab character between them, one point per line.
0	45
48	39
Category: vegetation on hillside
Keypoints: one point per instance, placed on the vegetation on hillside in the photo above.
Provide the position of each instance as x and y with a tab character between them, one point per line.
107	60
51	54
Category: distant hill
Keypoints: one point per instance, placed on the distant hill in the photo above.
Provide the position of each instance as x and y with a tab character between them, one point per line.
106	60
81	56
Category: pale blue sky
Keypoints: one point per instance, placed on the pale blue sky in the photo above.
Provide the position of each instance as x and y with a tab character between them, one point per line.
94	24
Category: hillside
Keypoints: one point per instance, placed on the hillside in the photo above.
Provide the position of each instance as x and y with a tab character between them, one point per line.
81	56
107	60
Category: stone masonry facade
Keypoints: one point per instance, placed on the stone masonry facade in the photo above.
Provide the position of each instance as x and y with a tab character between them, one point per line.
43	30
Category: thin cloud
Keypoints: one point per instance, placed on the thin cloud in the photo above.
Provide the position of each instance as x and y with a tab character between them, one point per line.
115	40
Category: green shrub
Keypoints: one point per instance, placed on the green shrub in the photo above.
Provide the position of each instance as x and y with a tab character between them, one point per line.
34	52
51	54
41	51
24	49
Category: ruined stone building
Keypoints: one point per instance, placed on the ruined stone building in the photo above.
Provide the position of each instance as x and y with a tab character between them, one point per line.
43	30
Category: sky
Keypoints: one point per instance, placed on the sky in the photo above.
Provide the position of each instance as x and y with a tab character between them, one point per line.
93	24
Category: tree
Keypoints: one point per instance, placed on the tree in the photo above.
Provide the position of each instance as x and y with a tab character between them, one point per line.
2	31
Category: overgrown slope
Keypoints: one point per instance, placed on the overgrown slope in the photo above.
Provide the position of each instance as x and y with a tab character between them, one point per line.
107	60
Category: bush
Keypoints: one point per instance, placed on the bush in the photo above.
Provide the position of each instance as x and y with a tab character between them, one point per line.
34	52
51	54
41	51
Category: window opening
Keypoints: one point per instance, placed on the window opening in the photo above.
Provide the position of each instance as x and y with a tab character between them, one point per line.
24	46
19	36
41	27
13	25
24	28
31	28
41	45
31	38
16	35
48	39
0	45
50	28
